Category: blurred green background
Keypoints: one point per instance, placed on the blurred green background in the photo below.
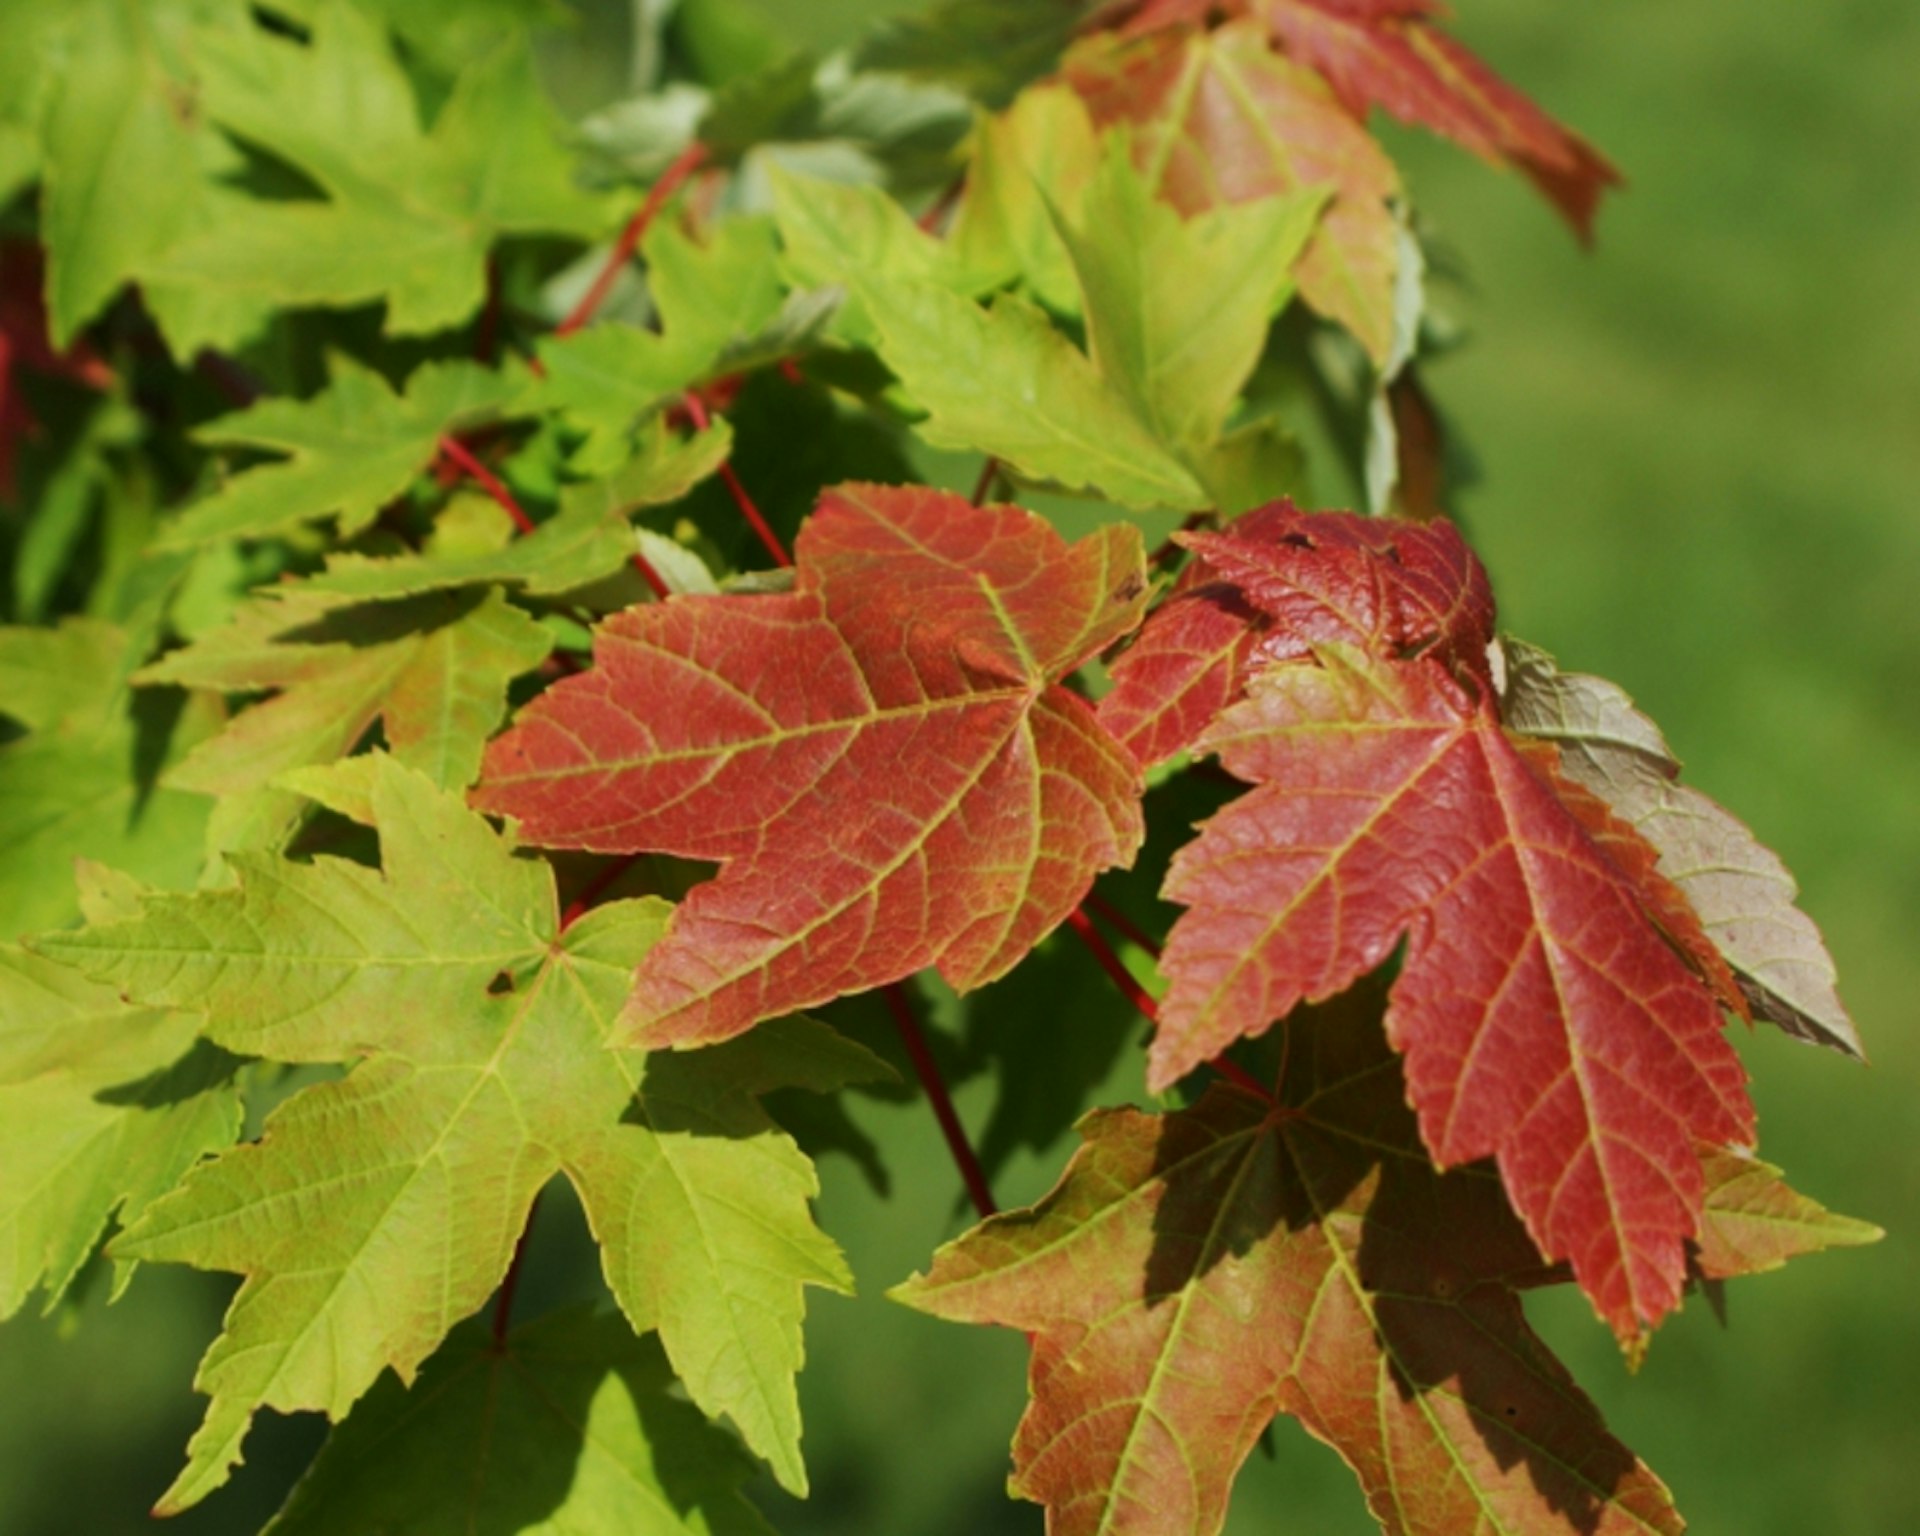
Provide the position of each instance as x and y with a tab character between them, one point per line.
1698	453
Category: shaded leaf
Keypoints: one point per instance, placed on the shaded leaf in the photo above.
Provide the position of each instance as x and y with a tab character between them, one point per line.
569	1425
987	48
479	1030
351	449
1196	1273
102	1107
882	759
409	215
590	537
81	782
1742	892
432	671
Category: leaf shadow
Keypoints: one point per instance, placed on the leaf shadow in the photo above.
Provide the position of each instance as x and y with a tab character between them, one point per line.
1438	1262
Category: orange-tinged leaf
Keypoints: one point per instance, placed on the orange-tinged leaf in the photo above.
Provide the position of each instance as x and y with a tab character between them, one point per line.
881	760
1755	1221
1195	1273
1391	54
1221	118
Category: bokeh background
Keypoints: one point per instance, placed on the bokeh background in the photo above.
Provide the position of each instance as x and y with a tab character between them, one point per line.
1698	450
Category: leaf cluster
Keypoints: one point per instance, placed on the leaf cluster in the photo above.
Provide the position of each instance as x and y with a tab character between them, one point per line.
497	628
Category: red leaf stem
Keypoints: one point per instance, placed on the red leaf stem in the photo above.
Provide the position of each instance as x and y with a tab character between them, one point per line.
458	453
941	206
989	472
1120	923
1129	984
928	1071
510	1282
1113	965
685	164
697	413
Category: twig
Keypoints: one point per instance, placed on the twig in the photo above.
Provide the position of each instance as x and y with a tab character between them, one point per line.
1141	999
928	1071
697	413
458	453
684	165
989	472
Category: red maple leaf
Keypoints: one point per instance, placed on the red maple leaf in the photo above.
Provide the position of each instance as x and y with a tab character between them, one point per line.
881	760
1391	54
1278	581
1546	1016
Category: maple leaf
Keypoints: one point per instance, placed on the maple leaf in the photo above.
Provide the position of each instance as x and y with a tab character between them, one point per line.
80	782
1743	894
127	173
1194	1274
409	215
102	1107
569	1424
1276	582
352	448
432	671
882	760
1545	1018
1176	313
1219	118
479	1035
588	538
717	303
1753	1221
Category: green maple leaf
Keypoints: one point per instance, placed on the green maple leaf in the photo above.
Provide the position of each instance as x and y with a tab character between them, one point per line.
80	781
103	1106
569	1425
130	167
352	448
833	232
409	214
1176	313
722	308
589	538
378	1210
432	670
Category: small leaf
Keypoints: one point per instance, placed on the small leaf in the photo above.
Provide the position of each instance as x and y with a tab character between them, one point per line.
589	538
432	671
882	759
408	216
352	448
1755	1222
